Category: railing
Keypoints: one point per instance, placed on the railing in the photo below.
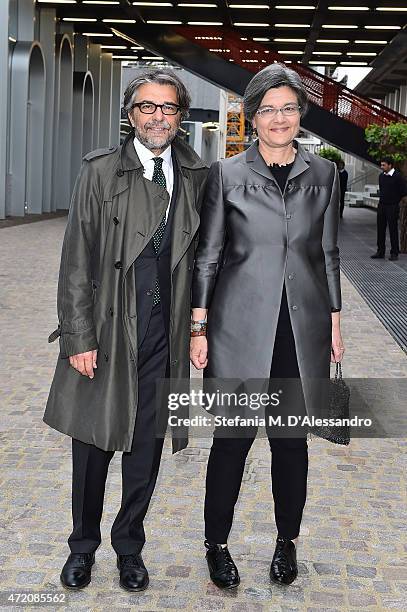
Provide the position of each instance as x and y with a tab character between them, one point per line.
362	177
322	91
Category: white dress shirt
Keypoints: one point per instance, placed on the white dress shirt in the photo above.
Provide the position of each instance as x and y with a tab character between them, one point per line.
389	173
146	158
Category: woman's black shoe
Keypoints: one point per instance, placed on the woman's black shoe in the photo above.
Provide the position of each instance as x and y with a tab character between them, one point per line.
133	572
76	573
222	569
283	569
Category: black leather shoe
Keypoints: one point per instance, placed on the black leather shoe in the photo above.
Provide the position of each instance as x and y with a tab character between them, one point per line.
133	572
77	571
377	256
283	569
393	257
222	569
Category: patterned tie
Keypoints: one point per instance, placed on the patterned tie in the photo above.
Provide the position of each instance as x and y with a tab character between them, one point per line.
159	178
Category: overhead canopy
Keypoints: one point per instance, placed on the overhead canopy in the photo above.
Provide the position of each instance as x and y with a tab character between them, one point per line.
313	32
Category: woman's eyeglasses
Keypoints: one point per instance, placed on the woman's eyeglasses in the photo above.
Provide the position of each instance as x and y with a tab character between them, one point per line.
149	108
269	111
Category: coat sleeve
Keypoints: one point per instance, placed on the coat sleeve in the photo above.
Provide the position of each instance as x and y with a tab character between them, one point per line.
212	231
330	245
75	295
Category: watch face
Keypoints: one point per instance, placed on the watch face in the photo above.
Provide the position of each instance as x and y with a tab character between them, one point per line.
197	326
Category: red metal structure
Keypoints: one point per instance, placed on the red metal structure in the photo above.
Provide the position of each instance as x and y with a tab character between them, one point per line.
323	91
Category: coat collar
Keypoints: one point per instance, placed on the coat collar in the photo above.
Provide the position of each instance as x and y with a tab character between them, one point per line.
257	163
185	155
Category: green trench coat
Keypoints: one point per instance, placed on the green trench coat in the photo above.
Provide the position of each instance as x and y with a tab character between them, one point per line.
113	215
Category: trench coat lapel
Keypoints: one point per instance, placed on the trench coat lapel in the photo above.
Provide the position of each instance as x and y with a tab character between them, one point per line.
151	201
258	165
146	206
186	217
186	220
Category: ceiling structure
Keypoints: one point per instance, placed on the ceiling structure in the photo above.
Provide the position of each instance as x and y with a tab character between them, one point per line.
314	32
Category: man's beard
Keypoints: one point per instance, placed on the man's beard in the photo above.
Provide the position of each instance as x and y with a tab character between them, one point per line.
156	142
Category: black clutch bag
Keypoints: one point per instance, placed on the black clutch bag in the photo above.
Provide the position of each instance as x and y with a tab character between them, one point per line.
338	408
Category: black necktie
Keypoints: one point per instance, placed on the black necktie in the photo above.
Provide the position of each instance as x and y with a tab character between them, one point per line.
159	178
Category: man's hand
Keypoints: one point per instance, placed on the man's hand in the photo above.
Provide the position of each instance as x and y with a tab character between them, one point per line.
198	352
85	363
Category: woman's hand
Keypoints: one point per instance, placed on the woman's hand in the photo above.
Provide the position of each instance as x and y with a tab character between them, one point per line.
198	352
337	349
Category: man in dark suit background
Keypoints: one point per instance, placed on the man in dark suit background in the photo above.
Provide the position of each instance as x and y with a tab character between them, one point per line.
392	188
343	182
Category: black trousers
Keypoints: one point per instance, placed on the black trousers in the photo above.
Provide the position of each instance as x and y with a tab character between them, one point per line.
289	466
388	214
139	466
342	205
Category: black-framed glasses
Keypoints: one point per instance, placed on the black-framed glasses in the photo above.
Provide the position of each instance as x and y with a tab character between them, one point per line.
269	111
149	108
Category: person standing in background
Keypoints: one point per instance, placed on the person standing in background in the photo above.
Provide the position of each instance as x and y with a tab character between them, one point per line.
393	188
343	182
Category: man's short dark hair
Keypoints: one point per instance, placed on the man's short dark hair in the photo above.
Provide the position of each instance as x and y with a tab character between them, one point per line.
388	160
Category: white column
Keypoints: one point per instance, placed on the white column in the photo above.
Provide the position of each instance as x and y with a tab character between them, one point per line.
403	100
116	103
80	53
26	17
47	21
4	73
94	68
396	100
105	99
391	100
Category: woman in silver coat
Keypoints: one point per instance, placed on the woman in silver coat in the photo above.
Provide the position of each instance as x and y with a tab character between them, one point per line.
266	302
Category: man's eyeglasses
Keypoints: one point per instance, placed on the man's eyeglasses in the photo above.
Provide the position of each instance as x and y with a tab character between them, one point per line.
269	111
149	108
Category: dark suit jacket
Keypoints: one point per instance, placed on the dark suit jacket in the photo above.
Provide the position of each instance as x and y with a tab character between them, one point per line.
392	188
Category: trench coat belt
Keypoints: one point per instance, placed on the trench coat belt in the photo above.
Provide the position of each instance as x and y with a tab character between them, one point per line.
55	334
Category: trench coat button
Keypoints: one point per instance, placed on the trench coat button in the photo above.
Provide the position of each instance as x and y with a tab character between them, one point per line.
288	216
174	362
120	172
149	292
115	220
290	276
106	357
111	311
118	265
295	307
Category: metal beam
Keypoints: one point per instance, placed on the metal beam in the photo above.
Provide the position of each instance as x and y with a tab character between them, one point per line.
320	14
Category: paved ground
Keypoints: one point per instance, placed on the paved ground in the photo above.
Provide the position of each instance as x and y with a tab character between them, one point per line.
353	546
381	283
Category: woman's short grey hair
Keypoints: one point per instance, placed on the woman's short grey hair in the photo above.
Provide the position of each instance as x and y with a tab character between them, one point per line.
162	76
273	76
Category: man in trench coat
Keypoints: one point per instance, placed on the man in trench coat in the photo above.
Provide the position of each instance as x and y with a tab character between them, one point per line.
124	317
